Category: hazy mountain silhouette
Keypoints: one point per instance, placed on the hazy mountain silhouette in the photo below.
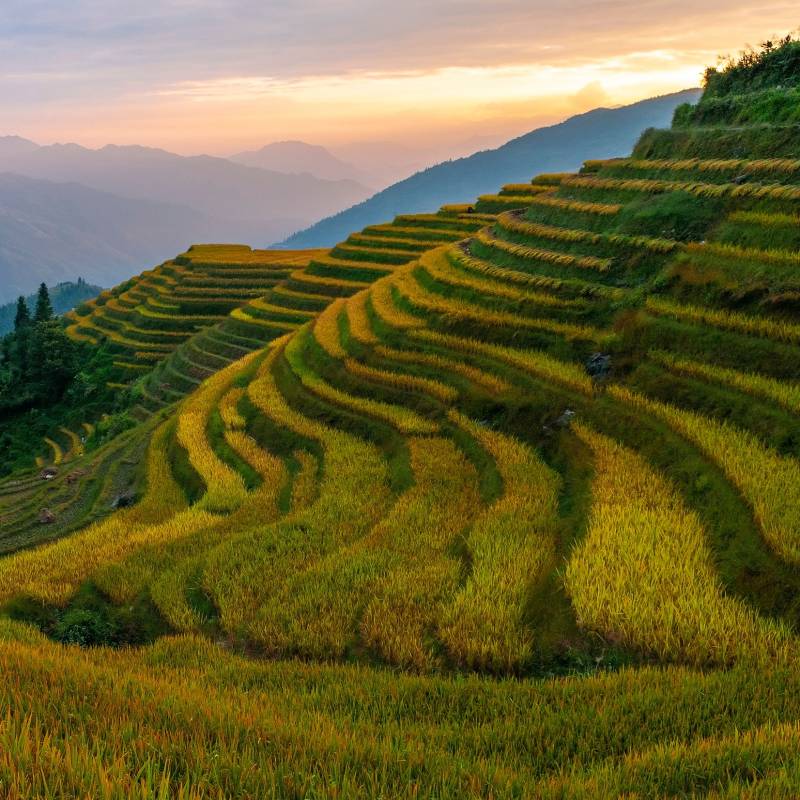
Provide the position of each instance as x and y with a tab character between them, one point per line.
213	186
602	133
297	158
55	232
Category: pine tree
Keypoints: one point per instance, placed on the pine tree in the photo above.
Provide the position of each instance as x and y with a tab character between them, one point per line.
44	308
23	316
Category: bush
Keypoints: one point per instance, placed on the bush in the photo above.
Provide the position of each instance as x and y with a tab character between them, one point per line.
776	64
86	628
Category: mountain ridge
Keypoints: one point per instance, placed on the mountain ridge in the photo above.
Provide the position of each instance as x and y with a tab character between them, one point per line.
465	178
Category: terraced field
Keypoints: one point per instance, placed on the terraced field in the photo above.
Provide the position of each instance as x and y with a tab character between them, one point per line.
180	323
552	439
148	317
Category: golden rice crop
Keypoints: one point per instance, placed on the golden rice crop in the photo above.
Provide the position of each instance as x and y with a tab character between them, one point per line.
315	611
326	330
644	575
271	308
578	206
386	310
56	453
511	547
54	571
225	489
399	380
512	201
75	443
486	380
408	598
730	251
715	190
426	236
512	222
304	486
169	594
524	189
127	365
167	570
237	255
269	467
782	392
229	409
405	420
473	264
764	754
539	254
320	281
145	346
281	291
533	362
454	309
444	270
358	319
765	219
769	482
767	165
727	320
408	604
185	719
456	208
352	252
248	573
409	244
551	178
241	315
74	332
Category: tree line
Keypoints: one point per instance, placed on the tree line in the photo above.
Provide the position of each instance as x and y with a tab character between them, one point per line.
38	361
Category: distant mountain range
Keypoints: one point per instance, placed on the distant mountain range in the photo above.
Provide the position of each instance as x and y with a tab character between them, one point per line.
603	133
228	192
66	210
54	232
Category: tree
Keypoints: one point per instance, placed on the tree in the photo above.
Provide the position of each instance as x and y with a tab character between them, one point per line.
52	361
23	316
44	308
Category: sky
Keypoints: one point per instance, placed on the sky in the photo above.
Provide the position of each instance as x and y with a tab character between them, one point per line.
219	77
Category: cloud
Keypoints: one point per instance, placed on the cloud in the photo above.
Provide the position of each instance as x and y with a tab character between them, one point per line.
593	95
90	68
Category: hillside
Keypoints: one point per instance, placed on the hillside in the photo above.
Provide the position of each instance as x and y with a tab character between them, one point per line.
511	509
64	297
607	132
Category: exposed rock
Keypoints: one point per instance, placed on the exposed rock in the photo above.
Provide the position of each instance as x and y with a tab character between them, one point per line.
48	474
565	420
123	501
599	365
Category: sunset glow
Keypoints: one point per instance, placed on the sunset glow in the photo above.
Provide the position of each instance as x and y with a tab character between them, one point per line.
217	77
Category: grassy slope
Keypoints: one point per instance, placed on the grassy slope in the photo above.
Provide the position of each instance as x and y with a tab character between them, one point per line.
299	507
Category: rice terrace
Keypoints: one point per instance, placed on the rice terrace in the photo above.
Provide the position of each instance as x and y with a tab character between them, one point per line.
499	500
